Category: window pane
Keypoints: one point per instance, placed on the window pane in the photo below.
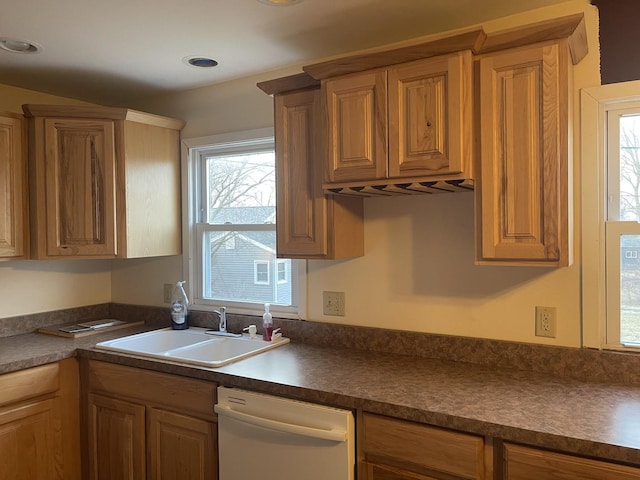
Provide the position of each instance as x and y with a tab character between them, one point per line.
241	188
629	289
243	274
630	167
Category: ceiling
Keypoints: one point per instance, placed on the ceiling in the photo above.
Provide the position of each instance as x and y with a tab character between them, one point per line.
112	52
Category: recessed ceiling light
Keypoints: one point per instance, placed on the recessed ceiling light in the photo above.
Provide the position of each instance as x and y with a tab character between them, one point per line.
18	46
280	3
200	62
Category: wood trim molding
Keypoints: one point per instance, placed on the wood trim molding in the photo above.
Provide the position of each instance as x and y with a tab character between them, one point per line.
476	40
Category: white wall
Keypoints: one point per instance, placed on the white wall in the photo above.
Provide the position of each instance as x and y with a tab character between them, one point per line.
32	286
418	271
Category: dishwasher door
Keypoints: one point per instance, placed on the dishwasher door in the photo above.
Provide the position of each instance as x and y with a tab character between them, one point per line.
261	437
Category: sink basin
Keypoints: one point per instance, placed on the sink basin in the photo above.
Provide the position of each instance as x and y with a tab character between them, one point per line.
191	346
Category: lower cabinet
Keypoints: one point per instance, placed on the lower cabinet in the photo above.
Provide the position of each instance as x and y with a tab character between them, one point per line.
395	449
148	425
526	463
39	424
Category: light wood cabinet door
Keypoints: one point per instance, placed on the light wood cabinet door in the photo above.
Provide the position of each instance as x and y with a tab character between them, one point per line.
106	182
13	188
523	193
31	441
39	423
76	188
525	463
181	447
385	472
356	110
116	438
309	224
398	449
430	116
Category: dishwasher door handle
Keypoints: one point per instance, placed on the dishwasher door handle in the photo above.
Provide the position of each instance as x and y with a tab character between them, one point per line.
331	435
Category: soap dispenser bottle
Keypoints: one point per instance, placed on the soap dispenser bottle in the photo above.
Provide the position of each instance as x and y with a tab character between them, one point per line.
267	323
179	307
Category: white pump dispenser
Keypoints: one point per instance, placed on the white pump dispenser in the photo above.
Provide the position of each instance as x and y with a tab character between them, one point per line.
267	323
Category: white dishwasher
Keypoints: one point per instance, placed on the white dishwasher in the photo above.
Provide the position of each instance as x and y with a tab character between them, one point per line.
261	437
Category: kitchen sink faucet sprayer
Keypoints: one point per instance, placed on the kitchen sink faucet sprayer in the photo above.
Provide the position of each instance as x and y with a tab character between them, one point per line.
222	313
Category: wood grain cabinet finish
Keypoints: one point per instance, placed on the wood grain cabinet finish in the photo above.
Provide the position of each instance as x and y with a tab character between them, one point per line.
523	196
39	423
396	450
525	463
309	224
116	439
404	121
14	220
148	425
105	183
181	447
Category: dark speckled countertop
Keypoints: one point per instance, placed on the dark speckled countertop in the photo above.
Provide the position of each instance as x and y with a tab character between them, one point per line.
588	418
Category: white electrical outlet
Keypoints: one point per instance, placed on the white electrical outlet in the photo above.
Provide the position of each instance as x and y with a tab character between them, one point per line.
546	322
333	303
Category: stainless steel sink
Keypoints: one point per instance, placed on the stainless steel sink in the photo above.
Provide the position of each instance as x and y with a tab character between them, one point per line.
191	346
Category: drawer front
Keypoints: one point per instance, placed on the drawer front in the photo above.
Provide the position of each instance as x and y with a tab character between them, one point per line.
33	382
524	463
422	448
153	388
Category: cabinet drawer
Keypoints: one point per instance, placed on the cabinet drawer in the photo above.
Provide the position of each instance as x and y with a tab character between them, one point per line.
524	463
153	388
421	448
34	382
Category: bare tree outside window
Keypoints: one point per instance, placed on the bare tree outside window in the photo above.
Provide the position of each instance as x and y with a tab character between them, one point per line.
240	195
240	181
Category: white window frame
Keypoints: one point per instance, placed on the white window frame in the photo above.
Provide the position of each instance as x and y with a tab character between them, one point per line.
192	268
600	235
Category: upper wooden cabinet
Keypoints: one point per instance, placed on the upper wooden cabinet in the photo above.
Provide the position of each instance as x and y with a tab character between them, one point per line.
489	112
309	224
105	182
524	176
14	220
408	120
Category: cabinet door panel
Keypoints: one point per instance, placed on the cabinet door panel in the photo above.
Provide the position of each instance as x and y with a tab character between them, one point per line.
356	108
181	447
524	155
13	188
116	439
31	442
524	463
302	206
80	187
430	114
420	446
385	472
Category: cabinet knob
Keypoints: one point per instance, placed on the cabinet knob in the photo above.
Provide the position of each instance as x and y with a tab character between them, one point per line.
428	123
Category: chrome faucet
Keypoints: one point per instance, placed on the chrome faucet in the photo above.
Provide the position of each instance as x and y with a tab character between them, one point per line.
222	313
